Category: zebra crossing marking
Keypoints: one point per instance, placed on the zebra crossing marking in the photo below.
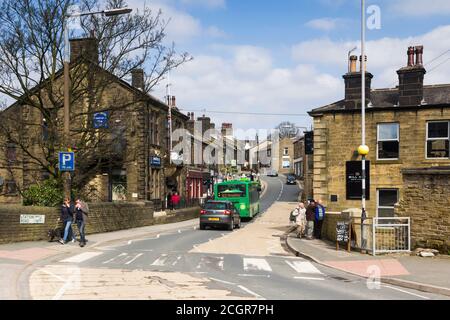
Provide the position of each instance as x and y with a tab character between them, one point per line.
116	257
161	261
303	267
251	264
135	258
82	257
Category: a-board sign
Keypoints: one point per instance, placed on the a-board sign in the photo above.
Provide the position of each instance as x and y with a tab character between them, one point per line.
342	231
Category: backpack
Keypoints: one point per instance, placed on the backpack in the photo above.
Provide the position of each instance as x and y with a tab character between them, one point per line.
293	216
320	213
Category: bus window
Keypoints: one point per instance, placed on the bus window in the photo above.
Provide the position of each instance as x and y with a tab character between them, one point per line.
232	191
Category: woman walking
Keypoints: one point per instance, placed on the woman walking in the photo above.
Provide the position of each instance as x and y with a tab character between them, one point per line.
67	219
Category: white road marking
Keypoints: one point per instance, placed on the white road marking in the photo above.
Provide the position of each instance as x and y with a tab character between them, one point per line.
250	292
222	281
407	292
179	231
111	260
255	275
161	261
72	282
309	278
53	275
82	257
135	258
130	242
256	265
303	267
176	261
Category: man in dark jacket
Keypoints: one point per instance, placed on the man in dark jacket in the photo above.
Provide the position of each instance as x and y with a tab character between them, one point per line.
319	217
81	212
310	217
67	219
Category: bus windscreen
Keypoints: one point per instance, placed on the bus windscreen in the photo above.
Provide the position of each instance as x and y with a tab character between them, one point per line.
232	191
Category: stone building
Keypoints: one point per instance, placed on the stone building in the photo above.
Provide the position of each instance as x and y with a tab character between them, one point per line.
408	131
303	167
127	159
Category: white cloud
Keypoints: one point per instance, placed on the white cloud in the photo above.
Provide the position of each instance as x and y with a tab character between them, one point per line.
421	7
325	24
385	55
212	4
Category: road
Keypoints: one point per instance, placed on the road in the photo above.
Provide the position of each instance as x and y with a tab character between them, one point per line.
186	263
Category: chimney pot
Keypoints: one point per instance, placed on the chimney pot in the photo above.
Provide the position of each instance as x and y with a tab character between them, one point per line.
353	60
361	63
410	56
419	55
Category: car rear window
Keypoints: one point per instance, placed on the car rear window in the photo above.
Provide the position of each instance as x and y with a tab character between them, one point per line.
215	206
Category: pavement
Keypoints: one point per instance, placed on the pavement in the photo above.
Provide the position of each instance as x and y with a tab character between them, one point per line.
423	274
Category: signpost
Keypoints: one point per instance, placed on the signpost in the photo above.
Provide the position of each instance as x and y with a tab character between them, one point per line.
66	161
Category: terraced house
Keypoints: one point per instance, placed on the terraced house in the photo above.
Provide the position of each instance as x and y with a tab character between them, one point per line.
408	130
125	157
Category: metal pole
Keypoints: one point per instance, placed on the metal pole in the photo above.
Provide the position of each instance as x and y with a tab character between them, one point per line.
66	176
169	98
363	116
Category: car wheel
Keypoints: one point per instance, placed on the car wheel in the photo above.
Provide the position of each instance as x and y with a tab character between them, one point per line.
238	226
230	226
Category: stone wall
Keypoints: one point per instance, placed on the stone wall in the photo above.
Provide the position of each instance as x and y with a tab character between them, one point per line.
426	199
103	217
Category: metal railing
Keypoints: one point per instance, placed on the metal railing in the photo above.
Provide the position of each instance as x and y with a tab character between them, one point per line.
381	235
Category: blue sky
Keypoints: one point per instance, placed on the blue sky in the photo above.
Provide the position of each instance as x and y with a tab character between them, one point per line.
289	56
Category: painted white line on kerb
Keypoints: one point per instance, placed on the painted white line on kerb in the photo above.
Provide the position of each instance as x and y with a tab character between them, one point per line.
303	267
256	265
223	281
407	292
111	260
250	292
135	258
82	257
309	278
282	188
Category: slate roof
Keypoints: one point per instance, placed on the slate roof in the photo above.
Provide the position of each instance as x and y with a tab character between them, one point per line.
434	95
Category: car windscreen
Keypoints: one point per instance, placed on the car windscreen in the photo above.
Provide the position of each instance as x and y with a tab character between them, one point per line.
232	191
215	206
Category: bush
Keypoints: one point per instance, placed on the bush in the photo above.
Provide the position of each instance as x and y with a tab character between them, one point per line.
47	194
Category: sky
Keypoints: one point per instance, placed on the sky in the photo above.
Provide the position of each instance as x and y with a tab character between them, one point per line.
288	56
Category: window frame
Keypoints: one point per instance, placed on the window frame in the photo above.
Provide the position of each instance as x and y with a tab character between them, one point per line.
387	140
427	139
285	151
378	199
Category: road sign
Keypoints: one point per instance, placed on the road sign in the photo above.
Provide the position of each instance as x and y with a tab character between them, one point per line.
100	120
155	161
66	161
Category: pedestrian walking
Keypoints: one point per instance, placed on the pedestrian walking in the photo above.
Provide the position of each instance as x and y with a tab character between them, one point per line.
293	217
301	220
175	200
81	214
310	217
169	201
319	217
67	219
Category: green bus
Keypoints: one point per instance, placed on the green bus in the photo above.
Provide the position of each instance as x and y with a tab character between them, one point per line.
244	194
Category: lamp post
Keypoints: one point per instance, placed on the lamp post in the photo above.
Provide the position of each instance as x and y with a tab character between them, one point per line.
363	149
107	13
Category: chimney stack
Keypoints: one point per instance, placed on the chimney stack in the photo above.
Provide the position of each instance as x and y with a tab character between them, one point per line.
137	79
84	47
353	85
174	102
411	79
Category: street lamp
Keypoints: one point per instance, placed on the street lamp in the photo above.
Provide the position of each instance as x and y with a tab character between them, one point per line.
107	13
363	149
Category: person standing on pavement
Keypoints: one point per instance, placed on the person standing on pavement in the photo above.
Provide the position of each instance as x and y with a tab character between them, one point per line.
169	201
81	212
310	217
319	217
175	200
67	219
301	220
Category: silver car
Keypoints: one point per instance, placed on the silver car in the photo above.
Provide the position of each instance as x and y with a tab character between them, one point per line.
220	214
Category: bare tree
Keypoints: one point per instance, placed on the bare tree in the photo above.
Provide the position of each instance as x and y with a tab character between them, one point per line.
31	60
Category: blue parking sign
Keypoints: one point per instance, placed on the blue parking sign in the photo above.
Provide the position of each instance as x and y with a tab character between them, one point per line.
66	161
100	120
